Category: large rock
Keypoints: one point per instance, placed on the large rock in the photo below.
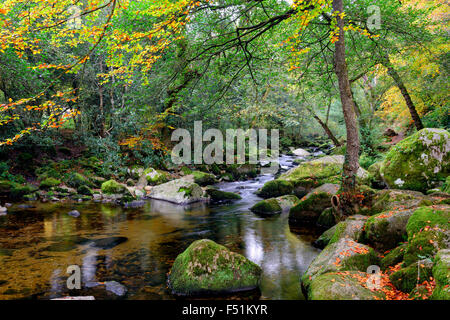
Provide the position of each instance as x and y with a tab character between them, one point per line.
113	187
206	267
386	230
406	279
344	254
275	188
221	196
301	153
347	285
352	228
314	173
388	200
308	210
153	177
441	274
273	206
393	257
203	178
428	217
419	162
178	191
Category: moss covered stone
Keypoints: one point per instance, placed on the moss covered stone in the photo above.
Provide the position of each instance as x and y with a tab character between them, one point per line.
406	279
433	216
206	267
203	178
392	199
85	190
76	180
155	177
325	238
418	162
267	207
441	274
327	218
179	191
344	254
351	228
18	190
49	183
393	257
425	244
308	210
342	286
386	230
112	187
276	188
218	195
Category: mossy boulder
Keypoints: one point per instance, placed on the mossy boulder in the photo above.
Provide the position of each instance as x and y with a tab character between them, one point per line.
441	274
343	255
203	178
418	162
6	186
386	230
179	191
430	217
275	188
375	175
351	228
219	196
393	199
347	285
76	180
393	257
327	218
18	190
85	190
267	207
155	177
406	279
308	210
206	267
312	174
425	244
49	183
113	187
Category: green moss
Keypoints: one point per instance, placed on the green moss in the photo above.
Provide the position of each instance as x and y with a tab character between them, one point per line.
203	178
327	218
312	174
49	183
267	207
309	210
425	244
418	162
276	188
186	170
218	195
187	191
112	187
156	177
441	274
406	279
76	180
207	267
325	237
394	257
18	191
428	216
85	190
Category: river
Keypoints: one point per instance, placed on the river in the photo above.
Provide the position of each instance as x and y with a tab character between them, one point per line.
137	246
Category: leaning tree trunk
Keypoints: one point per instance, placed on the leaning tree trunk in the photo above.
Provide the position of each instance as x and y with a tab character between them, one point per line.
398	81
327	131
347	202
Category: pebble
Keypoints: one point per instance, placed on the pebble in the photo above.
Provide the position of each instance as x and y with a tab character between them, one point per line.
74	213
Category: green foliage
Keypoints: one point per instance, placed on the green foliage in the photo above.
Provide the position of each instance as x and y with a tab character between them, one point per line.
49	183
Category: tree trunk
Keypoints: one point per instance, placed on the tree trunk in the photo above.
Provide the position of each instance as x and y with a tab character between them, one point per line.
327	131
351	163
398	81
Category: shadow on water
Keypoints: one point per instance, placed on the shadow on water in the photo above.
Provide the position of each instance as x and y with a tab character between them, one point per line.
135	247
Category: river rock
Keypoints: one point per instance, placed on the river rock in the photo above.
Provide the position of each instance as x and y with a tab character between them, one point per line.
74	213
154	177
220	196
347	285
274	206
407	278
308	210
108	243
301	153
116	288
206	267
325	238
386	230
203	178
393	199
179	191
113	187
418	162
275	188
344	254
352	228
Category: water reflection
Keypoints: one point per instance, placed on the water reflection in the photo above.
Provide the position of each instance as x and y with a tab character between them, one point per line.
137	246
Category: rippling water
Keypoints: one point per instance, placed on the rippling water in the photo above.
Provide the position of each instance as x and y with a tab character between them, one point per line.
137	246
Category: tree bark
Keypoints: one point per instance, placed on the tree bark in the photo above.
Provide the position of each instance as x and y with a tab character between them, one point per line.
398	81
351	163
327	131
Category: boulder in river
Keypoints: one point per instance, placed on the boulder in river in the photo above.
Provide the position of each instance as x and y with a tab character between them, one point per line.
275	188
206	267
203	178
351	228
418	162
179	191
74	213
274	206
154	177
113	187
300	153
311	206
220	196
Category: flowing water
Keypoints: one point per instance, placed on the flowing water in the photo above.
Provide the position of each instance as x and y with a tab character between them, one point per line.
137	246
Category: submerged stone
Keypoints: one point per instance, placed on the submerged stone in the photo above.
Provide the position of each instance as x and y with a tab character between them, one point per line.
108	243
